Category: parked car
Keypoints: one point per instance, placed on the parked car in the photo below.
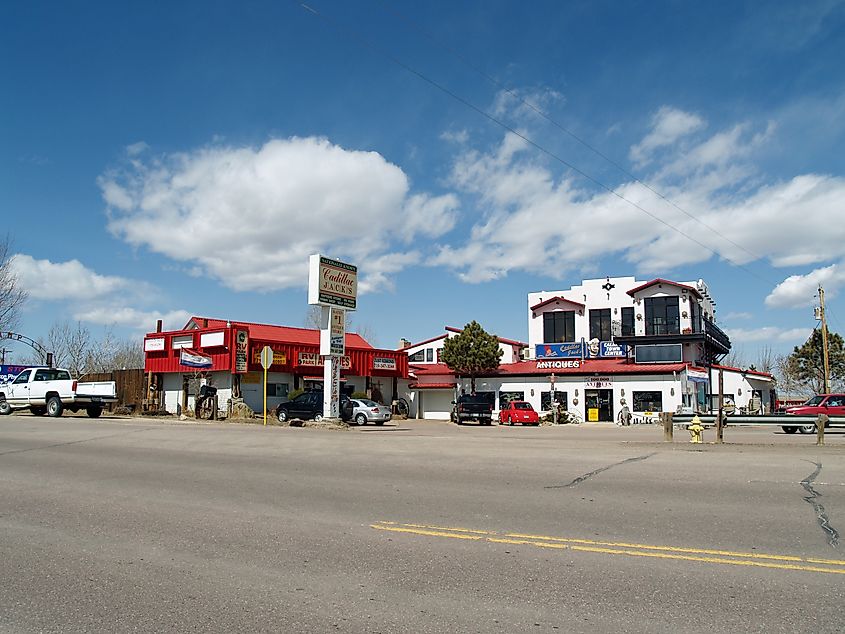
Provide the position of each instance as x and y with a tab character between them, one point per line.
309	405
519	412
829	404
475	407
365	411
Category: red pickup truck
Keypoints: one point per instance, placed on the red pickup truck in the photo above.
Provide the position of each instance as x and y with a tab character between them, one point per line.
829	404
519	412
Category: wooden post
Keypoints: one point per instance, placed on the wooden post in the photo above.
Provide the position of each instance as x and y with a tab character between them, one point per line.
821	421
668	427
720	420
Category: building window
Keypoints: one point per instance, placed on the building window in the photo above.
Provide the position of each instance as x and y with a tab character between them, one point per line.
507	397
600	324
440	355
429	355
278	389
661	316
648	401
546	400
417	357
695	316
559	326
628	321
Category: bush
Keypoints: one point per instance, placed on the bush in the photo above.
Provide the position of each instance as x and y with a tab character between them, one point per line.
359	395
295	393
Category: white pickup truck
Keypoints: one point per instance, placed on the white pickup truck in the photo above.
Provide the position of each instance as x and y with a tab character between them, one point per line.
50	391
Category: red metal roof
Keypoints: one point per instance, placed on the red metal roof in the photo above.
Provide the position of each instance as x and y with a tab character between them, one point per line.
281	334
298	347
510	342
557	298
740	370
414	345
660	280
585	366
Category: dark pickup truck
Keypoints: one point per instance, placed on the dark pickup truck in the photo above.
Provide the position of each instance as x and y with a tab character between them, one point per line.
473	407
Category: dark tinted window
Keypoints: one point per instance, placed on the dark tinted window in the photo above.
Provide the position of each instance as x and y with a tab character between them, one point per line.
628	320
559	326
600	324
662	316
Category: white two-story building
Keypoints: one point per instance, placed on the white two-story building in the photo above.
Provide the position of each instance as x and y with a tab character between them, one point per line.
603	345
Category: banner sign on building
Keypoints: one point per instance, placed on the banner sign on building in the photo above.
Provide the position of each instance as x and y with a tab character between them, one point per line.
279	358
9	372
154	345
384	363
573	350
194	359
610	349
312	359
332	283
241	350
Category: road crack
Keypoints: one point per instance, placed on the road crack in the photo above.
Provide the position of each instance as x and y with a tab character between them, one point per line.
813	500
586	476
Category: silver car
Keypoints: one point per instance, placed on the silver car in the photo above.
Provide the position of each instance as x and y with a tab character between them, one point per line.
366	411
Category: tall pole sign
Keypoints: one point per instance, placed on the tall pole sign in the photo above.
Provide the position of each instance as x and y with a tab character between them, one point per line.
333	285
266	362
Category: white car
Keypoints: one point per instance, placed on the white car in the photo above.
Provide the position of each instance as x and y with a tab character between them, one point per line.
366	411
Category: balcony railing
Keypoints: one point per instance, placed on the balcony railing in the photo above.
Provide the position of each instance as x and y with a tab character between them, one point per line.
717	334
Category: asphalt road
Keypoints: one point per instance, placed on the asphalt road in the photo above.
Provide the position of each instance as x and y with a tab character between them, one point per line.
144	525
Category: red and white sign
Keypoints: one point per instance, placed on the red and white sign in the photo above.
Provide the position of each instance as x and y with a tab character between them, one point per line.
154	345
384	363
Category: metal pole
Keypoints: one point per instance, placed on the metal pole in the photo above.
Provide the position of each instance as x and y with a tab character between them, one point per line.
825	358
265	397
720	425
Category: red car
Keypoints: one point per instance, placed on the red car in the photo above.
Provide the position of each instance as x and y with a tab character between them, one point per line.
830	404
519	412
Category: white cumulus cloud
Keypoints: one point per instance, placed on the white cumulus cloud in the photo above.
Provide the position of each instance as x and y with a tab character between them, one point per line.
791	336
801	290
48	280
251	216
667	126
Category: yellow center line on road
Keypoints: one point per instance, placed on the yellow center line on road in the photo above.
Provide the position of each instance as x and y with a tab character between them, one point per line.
734	558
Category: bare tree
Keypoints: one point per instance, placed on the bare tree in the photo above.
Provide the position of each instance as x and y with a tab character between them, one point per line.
766	360
736	358
70	345
12	296
111	353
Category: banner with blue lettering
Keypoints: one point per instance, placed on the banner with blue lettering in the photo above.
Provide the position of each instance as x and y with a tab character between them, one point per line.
573	350
9	372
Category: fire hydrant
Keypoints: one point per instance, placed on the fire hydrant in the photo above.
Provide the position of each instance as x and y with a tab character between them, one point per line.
695	428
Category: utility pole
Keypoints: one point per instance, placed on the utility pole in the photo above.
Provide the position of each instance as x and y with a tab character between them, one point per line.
825	358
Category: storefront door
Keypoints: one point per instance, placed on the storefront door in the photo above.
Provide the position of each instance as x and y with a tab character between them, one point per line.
599	406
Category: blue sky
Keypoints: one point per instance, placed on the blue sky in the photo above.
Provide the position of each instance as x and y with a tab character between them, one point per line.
165	159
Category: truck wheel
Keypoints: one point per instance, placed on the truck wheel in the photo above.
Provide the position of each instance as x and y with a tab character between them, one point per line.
807	429
5	408
54	407
94	411
790	430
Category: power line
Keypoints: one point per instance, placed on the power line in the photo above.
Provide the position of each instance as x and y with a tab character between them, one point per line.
366	43
540	112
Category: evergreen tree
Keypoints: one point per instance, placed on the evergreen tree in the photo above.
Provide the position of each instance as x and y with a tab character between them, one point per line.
809	364
472	352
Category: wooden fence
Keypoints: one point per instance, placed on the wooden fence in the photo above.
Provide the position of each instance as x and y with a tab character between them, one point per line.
130	385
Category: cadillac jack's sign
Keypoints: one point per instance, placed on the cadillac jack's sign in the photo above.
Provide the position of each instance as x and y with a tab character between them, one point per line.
332	283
